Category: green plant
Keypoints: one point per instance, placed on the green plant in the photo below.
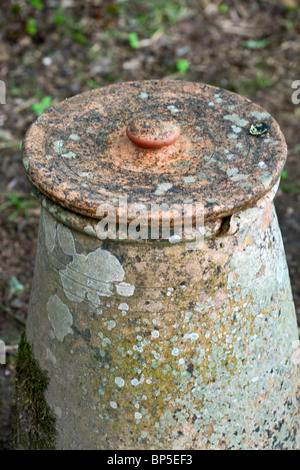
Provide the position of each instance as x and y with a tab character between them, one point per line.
31	26
259	82
223	9
15	287
256	44
286	183
92	84
18	205
40	107
133	40
59	16
182	65
38	4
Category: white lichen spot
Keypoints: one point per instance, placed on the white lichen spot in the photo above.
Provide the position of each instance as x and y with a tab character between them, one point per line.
57	146
143	95
120	382
189	179
74	136
66	240
211	103
191	336
111	324
162	188
259	115
266	178
123	306
60	317
236	129
236	119
51	356
113	404
58	412
49	225
239	177
175	351
125	289
232	171
280	272
134	382
173	109
69	155
138	415
155	334
91	275
106	342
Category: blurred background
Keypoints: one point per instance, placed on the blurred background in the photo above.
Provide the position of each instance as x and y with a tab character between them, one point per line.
51	50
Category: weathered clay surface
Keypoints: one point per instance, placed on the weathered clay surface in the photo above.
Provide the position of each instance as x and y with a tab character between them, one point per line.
78	153
151	344
159	347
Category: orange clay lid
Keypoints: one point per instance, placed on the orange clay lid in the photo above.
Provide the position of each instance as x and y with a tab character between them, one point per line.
155	142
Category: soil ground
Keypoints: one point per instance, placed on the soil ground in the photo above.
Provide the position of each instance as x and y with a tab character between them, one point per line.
51	50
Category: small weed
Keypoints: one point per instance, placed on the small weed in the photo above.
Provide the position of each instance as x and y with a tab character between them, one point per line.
40	107
133	40
92	84
15	287
286	183
259	82
182	65
59	16
38	4
18	205
31	26
71	27
223	9
289	188
80	37
256	44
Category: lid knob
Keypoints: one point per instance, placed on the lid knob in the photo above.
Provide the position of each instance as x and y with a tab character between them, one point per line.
153	132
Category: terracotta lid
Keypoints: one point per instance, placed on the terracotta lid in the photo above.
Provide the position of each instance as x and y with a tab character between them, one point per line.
155	142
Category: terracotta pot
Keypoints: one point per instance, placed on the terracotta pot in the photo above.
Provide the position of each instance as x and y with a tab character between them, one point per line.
159	343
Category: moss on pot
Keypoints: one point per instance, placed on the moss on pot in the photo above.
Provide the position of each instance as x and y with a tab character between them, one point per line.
34	422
